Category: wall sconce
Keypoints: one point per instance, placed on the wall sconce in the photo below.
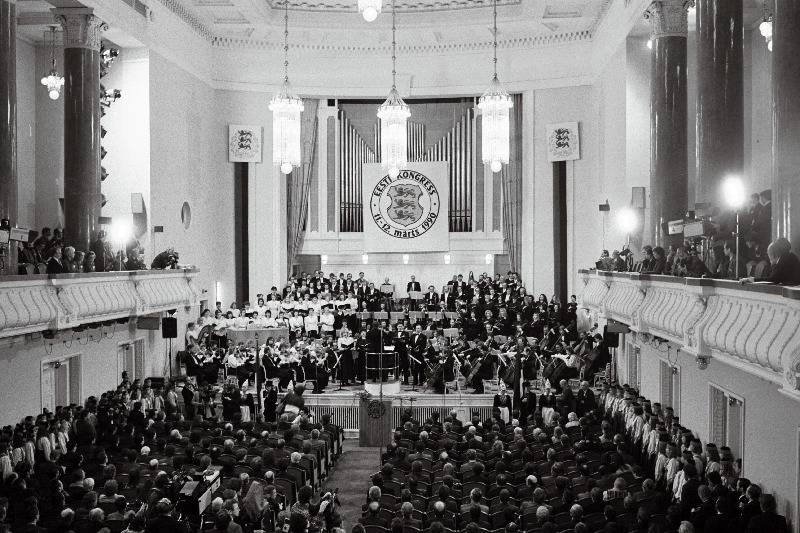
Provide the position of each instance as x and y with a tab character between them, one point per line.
365	259
702	361
405	259
489	259
324	259
733	401
675	369
446	259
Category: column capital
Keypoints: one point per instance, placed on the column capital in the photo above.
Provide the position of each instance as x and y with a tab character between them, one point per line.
669	18
82	28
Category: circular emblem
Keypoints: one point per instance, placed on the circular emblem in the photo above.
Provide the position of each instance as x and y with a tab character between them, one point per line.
375	409
406	206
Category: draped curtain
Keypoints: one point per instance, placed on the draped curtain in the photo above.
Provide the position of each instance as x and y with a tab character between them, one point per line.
511	180
299	181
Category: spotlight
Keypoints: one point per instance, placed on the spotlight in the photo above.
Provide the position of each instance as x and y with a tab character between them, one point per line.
120	231
627	220
733	191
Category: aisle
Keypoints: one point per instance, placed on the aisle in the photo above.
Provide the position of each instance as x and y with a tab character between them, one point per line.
352	476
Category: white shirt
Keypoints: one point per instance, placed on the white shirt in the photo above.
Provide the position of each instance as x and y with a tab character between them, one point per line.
296	323
327	320
311	323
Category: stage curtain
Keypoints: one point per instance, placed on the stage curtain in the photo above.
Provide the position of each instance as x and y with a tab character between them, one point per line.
511	180
299	181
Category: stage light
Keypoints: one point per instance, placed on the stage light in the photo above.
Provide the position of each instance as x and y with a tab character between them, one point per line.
446	259
733	191
489	259
120	231
365	259
405	259
627	220
324	259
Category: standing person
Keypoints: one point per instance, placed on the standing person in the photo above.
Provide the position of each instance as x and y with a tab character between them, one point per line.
270	400
418	343
346	350
98	246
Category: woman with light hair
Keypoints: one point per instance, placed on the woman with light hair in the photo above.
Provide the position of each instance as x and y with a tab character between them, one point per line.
254	503
5	466
43	444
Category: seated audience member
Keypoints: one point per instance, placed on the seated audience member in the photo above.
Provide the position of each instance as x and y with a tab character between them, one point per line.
784	265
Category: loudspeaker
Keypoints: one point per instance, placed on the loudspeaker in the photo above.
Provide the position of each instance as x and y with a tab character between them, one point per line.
611	339
169	327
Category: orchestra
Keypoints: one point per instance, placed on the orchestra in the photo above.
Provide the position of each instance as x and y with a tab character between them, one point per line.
478	329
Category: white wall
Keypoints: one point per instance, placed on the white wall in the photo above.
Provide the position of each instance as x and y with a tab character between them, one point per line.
185	148
49	145
127	142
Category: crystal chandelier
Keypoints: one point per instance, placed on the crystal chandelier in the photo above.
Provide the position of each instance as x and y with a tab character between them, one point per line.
394	114
53	81
369	9
494	106
286	107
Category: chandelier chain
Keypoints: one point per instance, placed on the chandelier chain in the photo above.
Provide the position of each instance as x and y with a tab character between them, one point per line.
494	34
394	48
286	41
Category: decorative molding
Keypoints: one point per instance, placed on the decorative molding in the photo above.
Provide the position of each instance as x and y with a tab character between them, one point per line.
669	18
753	329
186	16
408	6
524	42
67	301
81	28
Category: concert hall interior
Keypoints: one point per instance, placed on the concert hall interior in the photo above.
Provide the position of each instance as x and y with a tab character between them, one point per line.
253	251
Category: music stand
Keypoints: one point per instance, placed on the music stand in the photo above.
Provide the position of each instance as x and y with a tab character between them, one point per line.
396	316
436	316
380	315
415	316
361	316
451	333
451	315
415	297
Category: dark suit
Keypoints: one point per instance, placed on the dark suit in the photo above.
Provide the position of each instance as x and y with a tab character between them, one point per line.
55	267
431	300
413	286
768	522
785	272
374	520
417	345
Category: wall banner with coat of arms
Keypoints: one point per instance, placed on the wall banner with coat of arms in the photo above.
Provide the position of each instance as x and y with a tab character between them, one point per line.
408	213
563	142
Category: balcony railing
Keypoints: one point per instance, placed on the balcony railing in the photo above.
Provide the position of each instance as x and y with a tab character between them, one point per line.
752	326
37	303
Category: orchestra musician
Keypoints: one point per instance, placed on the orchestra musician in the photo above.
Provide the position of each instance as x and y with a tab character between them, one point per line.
417	347
431	299
400	342
362	347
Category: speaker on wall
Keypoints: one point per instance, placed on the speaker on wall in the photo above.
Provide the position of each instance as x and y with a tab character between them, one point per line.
169	327
611	339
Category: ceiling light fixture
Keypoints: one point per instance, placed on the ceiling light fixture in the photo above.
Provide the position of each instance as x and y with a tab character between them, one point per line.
53	81
494	106
369	9
286	107
394	115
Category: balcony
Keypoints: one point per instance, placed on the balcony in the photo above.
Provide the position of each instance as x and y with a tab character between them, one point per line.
753	327
30	304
